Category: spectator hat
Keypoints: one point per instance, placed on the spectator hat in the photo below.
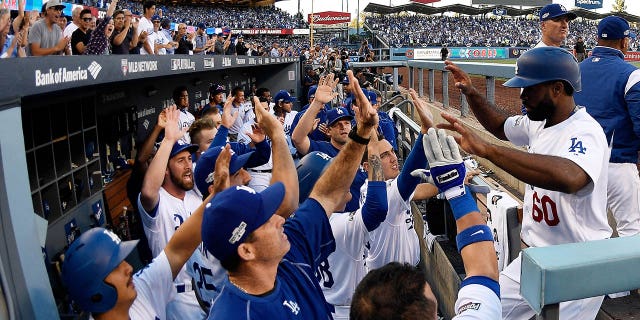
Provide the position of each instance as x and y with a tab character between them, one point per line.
613	28
180	146
233	214
283	96
155	18
336	114
215	89
54	3
203	172
202	26
554	10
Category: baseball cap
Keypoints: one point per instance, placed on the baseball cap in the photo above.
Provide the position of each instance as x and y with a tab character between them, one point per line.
283	96
613	28
215	89
233	214
201	25
555	10
203	172
345	80
54	3
336	114
312	91
155	18
372	96
165	23
180	146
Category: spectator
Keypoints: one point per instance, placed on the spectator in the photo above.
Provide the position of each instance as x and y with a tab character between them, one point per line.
444	52
185	41
99	42
158	39
241	47
274	50
145	28
80	37
554	23
181	99
581	51
62	22
167	33
244	111
125	35
45	36
76	21
221	45
202	42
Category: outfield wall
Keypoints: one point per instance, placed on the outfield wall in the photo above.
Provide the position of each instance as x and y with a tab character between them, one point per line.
472	53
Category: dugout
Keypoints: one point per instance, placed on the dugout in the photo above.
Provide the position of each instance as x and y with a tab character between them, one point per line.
67	125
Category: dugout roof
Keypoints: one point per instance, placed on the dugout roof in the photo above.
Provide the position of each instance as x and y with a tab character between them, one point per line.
222	3
472	11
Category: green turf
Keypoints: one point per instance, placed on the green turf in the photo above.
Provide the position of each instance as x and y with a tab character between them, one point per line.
513	61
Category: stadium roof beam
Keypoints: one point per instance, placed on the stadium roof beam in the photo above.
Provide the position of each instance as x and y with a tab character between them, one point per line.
221	3
472	11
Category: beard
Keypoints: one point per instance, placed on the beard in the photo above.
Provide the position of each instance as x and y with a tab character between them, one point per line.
180	182
543	111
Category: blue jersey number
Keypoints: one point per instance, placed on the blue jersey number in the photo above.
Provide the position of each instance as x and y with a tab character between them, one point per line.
324	274
203	272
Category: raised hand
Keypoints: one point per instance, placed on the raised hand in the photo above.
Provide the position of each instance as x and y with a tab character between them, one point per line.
172	129
446	165
228	116
269	124
461	78
326	87
221	171
468	141
426	117
257	135
366	114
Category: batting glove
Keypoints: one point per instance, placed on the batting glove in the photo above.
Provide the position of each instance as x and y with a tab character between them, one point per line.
446	166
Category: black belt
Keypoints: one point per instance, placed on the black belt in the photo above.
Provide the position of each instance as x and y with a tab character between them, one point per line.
260	171
184	287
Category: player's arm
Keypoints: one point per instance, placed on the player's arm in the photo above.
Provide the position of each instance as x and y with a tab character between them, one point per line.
283	168
425	191
145	152
188	236
375	207
632	97
486	112
300	135
149	196
544	171
474	239
331	189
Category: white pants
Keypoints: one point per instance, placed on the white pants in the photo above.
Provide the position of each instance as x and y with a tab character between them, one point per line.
515	307
259	180
623	197
185	306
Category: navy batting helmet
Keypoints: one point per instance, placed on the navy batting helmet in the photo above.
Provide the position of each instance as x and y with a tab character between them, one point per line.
310	168
544	64
88	261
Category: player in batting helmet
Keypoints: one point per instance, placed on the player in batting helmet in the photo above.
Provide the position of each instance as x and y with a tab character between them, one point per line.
544	64
310	168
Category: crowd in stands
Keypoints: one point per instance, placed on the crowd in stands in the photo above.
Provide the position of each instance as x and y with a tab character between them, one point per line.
400	31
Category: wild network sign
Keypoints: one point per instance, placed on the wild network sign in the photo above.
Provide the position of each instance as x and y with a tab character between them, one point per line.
330	17
589	4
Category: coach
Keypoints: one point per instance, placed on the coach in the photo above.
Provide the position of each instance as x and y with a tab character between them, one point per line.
611	95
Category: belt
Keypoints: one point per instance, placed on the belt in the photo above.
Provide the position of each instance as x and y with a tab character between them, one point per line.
523	245
260	171
183	287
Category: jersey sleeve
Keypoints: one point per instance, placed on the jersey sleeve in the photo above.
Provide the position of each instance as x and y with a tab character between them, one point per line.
350	233
154	285
516	129
150	220
477	302
309	233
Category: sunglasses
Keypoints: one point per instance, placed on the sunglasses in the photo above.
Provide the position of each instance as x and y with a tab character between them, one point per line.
87	19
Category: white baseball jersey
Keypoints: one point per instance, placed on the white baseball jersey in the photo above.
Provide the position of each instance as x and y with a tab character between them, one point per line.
477	302
145	25
260	175
395	240
186	119
245	114
552	217
288	121
344	268
208	275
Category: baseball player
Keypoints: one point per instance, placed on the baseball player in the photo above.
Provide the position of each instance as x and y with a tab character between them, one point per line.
101	282
244	110
319	132
399	291
396	239
341	272
613	99
181	99
166	200
554	24
283	103
565	168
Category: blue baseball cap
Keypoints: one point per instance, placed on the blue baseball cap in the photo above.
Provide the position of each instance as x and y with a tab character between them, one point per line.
555	10
613	28
336	114
156	18
206	164
201	25
372	96
312	91
345	80
283	96
233	214
180	146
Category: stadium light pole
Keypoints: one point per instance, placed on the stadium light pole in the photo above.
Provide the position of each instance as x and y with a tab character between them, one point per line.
358	20
311	26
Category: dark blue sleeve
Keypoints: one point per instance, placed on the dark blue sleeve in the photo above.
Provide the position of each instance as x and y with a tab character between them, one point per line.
416	160
375	207
633	106
221	137
296	119
309	233
261	154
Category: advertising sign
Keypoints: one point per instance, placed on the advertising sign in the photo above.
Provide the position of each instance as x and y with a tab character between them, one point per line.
589	4
330	17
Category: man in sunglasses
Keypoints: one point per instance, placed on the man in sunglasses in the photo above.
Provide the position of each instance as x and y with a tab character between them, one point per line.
80	37
45	36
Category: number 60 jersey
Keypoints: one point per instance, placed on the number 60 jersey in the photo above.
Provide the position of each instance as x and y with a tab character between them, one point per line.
552	217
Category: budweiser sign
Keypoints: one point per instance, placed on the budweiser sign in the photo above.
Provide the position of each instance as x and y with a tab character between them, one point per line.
330	17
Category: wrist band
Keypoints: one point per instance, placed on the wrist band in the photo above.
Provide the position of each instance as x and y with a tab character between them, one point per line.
353	135
473	234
